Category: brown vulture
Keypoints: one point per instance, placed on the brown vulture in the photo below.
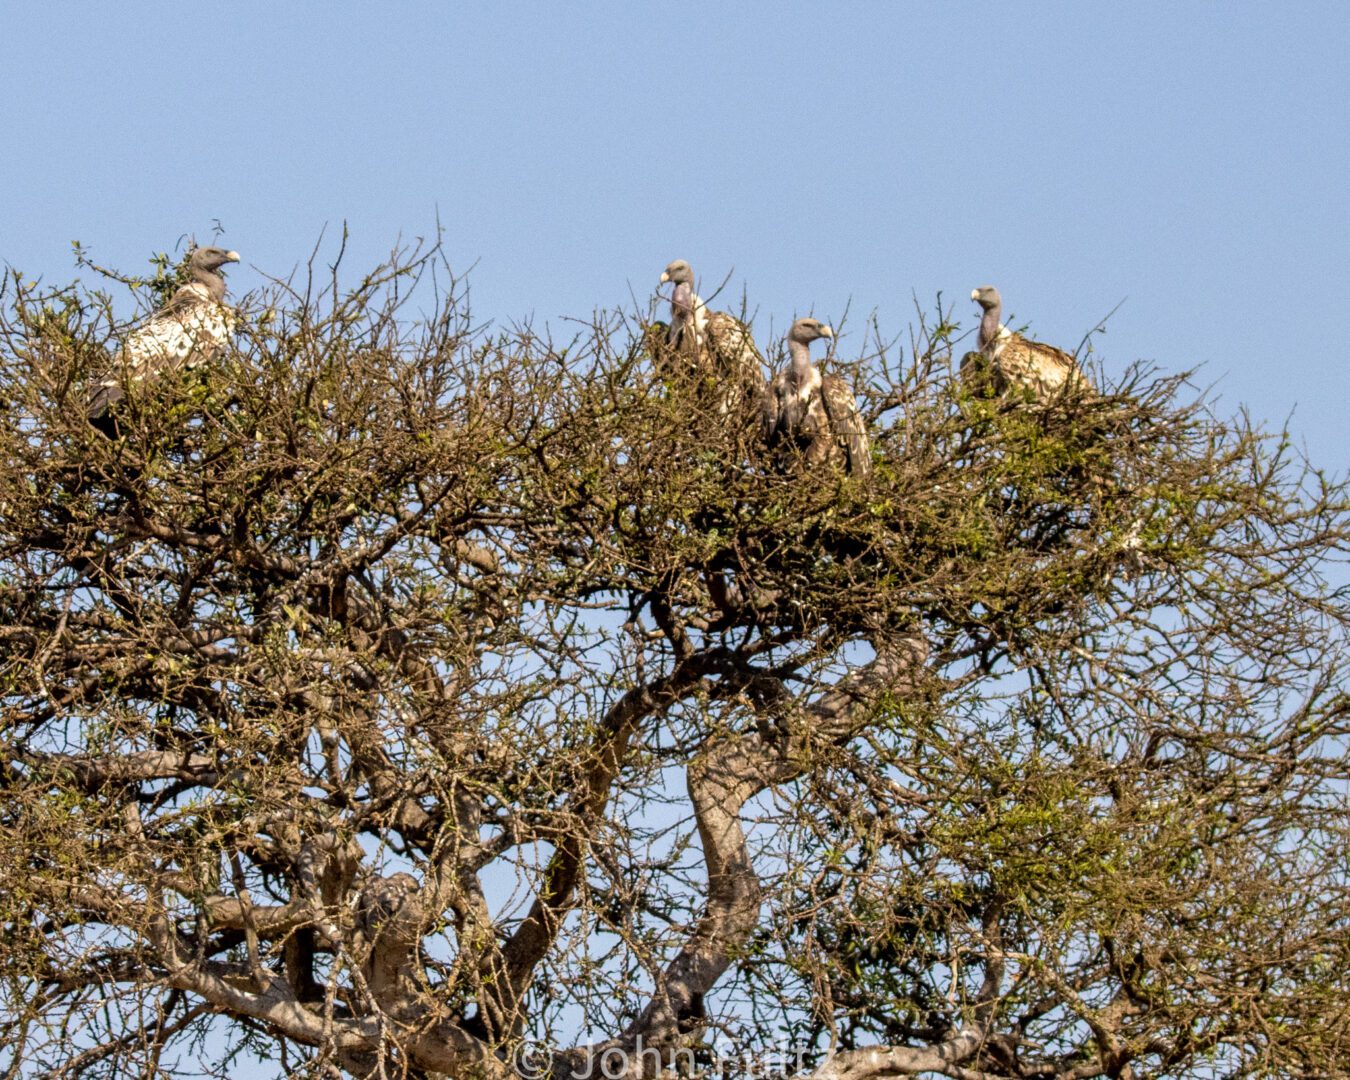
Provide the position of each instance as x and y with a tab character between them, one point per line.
1014	361
815	413
719	347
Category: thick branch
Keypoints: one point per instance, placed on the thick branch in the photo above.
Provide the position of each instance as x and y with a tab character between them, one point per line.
729	772
586	806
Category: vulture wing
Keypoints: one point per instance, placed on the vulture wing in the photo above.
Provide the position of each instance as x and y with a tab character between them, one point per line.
736	362
772	414
1043	369
846	423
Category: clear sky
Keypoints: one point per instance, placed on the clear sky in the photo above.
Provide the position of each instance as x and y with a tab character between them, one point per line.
1191	157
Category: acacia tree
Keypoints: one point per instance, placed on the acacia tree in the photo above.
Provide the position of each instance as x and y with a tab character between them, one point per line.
403	697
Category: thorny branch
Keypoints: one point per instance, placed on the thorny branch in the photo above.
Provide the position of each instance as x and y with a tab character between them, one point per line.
397	691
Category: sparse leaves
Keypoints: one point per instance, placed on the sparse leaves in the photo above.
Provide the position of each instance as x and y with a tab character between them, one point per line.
398	689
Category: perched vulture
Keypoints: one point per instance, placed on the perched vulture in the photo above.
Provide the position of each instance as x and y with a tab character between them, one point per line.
189	330
812	411
1015	361
720	346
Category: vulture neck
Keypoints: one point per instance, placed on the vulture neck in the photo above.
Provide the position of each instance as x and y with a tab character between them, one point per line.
800	353
681	311
681	302
989	325
215	284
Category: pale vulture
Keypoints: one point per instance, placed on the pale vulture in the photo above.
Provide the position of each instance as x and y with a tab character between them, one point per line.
187	331
814	412
1014	361
718	346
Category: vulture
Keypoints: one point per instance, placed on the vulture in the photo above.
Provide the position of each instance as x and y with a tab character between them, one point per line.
1015	361
187	331
815	412
721	346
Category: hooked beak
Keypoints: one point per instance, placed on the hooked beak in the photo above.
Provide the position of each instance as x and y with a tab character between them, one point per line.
231	256
664	277
975	294
826	331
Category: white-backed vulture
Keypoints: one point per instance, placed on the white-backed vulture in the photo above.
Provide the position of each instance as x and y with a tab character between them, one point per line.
1013	361
719	348
188	330
815	413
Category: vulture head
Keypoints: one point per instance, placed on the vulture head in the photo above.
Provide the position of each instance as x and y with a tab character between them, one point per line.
987	297
680	272
210	259
805	331
204	269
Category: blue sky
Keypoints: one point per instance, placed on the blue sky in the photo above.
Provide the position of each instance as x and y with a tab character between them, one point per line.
1191	157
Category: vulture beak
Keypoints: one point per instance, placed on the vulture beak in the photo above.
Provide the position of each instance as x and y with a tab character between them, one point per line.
665	276
231	256
826	331
975	294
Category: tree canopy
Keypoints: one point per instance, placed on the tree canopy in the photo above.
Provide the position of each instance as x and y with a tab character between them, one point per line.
403	696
